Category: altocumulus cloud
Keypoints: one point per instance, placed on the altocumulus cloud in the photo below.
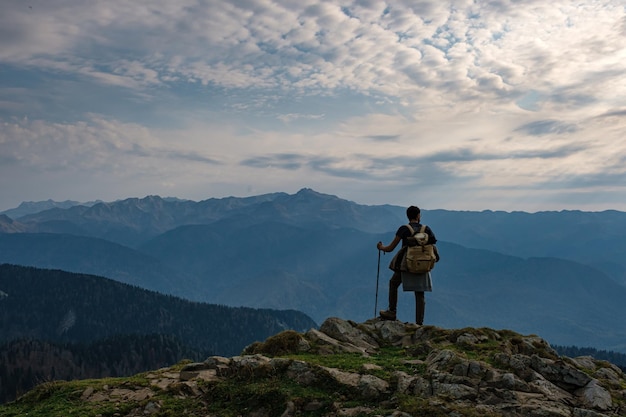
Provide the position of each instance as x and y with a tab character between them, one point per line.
468	99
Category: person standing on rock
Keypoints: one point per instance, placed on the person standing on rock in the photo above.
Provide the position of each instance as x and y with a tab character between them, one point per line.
424	282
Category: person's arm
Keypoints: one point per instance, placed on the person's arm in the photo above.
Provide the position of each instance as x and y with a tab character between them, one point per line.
389	247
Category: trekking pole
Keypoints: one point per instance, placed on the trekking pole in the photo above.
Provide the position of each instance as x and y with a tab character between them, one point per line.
377	277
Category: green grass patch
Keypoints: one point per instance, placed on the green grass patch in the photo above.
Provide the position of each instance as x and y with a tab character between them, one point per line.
61	399
231	399
350	362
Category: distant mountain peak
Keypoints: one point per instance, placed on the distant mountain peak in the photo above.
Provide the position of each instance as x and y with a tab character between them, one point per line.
310	191
304	191
30	207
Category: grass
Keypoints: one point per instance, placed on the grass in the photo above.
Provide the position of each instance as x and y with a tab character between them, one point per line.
230	398
246	395
57	399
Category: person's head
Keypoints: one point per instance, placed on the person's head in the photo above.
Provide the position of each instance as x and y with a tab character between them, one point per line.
413	213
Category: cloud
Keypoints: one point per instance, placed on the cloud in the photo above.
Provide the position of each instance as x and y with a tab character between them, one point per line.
543	127
475	95
298	116
383	138
191	157
613	113
98	145
283	161
468	51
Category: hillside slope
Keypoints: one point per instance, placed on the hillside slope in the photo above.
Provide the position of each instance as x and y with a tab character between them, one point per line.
60	325
94	256
375	368
595	239
77	308
332	272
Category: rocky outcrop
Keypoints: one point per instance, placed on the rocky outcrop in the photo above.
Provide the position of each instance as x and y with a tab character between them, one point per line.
389	368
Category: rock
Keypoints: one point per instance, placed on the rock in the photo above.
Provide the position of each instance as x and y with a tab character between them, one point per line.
205	375
214	361
585	362
533	345
323	339
372	387
394	331
443	360
290	410
549	390
367	367
344	378
87	393
367	386
354	412
404	382
510	381
151	408
250	366
446	372
595	396
348	332
467	338
454	391
579	412
542	409
608	374
195	367
302	373
560	372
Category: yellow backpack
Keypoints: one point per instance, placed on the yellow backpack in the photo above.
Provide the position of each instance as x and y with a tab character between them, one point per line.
420	256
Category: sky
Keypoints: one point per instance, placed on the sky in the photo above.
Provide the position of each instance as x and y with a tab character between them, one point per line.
463	105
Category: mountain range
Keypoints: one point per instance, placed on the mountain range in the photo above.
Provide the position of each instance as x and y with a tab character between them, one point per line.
557	274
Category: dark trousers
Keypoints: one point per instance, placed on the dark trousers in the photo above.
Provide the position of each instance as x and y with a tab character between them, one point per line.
420	300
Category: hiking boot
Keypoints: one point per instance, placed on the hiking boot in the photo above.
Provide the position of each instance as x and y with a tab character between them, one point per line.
387	315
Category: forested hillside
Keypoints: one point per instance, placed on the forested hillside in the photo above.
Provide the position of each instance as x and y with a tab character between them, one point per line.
61	325
616	358
25	363
66	307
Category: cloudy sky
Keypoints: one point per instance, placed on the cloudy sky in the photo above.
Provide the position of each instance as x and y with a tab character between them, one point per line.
465	105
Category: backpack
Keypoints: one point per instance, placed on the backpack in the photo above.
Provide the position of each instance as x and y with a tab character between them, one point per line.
420	256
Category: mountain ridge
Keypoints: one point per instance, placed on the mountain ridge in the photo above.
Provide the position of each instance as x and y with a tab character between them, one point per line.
566	233
132	220
315	253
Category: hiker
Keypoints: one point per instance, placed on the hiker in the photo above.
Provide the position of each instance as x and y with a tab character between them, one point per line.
424	282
